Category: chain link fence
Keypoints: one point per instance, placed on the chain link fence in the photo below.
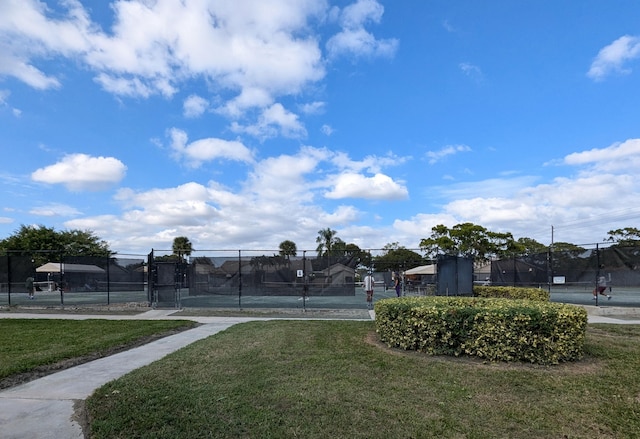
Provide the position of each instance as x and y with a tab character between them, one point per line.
265	279
44	279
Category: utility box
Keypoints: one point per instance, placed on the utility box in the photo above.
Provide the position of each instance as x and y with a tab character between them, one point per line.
455	276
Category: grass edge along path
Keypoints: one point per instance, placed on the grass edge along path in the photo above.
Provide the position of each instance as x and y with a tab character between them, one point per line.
318	379
31	348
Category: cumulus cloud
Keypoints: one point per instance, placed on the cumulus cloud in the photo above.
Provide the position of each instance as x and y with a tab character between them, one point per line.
316	107
32	34
613	58
377	187
354	39
194	106
153	46
81	172
274	121
208	149
602	181
251	52
624	156
279	194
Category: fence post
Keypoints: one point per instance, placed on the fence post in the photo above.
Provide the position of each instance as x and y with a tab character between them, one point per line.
597	273
305	281
62	282
108	281
240	279
9	279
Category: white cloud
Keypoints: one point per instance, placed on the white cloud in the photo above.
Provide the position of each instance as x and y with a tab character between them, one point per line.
55	209
81	172
354	39
313	107
612	58
32	34
195	106
278	200
370	163
618	157
436	156
472	71
327	130
153	46
208	149
274	121
378	187
186	205
251	52
580	206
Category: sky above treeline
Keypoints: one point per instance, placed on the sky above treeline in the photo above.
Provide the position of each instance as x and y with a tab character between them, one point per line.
243	123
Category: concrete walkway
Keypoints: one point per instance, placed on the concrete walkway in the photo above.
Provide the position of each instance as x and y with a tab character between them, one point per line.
45	408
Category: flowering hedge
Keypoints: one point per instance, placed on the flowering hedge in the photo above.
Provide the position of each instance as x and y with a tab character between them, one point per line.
493	329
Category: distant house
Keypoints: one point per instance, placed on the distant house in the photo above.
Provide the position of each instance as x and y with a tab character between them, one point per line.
338	274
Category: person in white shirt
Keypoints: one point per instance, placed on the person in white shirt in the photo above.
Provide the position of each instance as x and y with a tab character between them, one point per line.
368	285
601	287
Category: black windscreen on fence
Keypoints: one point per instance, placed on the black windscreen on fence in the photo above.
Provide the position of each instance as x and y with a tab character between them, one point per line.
252	278
71	280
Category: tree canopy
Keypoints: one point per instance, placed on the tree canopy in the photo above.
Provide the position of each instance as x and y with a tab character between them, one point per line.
396	258
626	237
45	244
469	240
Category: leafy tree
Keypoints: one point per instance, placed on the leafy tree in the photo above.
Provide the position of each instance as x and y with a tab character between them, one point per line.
181	247
530	246
396	258
567	247
351	255
626	237
288	249
45	244
469	240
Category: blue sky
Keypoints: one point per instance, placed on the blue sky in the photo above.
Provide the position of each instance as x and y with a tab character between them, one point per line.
243	123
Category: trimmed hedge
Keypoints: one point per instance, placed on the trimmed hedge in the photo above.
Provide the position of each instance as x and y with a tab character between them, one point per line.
492	329
512	293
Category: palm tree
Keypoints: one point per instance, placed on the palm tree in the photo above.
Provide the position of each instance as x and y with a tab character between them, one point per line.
288	248
182	247
326	239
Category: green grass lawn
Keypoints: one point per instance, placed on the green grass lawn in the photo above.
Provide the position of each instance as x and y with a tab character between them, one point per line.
31	345
321	379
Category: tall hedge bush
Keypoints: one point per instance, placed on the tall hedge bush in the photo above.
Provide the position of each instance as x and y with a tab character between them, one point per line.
492	329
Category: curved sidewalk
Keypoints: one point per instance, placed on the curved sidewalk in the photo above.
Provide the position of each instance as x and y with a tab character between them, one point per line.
45	408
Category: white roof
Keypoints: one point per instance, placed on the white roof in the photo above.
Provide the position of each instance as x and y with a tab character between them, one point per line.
423	269
54	267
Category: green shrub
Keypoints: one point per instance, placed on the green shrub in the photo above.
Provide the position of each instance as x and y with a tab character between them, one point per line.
493	329
511	293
